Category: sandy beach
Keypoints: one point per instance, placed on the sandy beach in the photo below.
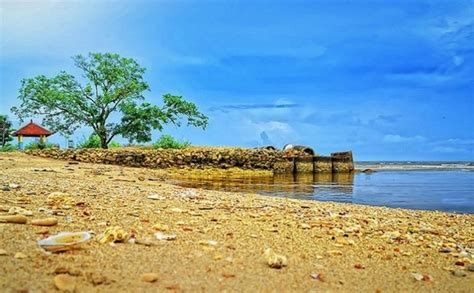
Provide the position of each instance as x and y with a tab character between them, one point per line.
215	241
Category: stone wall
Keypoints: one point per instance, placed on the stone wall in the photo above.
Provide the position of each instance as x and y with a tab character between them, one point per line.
165	158
200	157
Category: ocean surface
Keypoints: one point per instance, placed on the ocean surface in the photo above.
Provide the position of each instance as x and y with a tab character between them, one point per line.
419	185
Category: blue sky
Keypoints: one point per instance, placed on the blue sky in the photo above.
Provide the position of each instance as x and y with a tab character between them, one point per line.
391	80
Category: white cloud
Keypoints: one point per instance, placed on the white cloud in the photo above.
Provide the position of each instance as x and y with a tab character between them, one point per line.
446	149
395	138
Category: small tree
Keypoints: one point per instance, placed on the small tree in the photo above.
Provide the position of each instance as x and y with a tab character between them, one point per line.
5	130
114	86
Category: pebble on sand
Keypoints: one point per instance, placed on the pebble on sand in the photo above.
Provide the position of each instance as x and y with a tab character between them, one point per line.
15	219
149	277
20	255
45	222
64	282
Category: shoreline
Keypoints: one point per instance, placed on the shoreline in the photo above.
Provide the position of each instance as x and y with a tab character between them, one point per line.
221	237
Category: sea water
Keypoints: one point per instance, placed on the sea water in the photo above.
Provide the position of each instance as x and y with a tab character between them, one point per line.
450	190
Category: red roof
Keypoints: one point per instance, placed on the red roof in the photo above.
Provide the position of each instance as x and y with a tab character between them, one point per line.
32	129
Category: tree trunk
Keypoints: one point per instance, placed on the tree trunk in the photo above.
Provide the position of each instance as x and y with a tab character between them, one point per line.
103	142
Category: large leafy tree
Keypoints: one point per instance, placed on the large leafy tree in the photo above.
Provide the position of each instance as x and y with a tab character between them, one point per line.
110	101
5	130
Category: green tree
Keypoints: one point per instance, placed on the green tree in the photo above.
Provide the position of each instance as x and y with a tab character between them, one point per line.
5	130
114	87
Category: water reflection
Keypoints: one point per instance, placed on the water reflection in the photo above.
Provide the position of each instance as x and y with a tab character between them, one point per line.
451	191
289	185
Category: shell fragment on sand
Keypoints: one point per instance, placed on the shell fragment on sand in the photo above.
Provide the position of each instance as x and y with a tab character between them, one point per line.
162	236
64	241
274	260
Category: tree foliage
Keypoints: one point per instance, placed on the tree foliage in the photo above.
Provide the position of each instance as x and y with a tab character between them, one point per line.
5	130
114	87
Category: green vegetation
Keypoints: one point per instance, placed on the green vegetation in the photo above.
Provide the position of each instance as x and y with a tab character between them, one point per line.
113	144
5	131
114	87
168	142
8	148
37	145
93	142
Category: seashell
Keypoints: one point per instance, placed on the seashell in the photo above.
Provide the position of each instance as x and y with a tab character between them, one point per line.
113	234
16	219
44	222
64	241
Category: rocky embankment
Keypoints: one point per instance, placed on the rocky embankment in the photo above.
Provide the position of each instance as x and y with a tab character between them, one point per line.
292	161
194	157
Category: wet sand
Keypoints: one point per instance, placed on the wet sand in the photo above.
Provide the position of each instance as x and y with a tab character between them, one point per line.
220	237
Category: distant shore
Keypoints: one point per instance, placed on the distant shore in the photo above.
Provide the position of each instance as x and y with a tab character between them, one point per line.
413	165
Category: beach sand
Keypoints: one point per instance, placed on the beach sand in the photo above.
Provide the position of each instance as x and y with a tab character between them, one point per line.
220	237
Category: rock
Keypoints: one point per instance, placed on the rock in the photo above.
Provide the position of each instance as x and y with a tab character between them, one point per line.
470	267
97	279
3	252
64	282
59	198
14	186
20	255
445	250
16	219
150	277
45	222
274	260
19	211
368	171
459	273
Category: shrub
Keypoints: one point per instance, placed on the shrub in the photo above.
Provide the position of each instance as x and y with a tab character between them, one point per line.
168	142
92	142
8	148
37	145
113	144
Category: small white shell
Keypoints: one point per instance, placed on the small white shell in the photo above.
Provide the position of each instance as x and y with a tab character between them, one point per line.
64	241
